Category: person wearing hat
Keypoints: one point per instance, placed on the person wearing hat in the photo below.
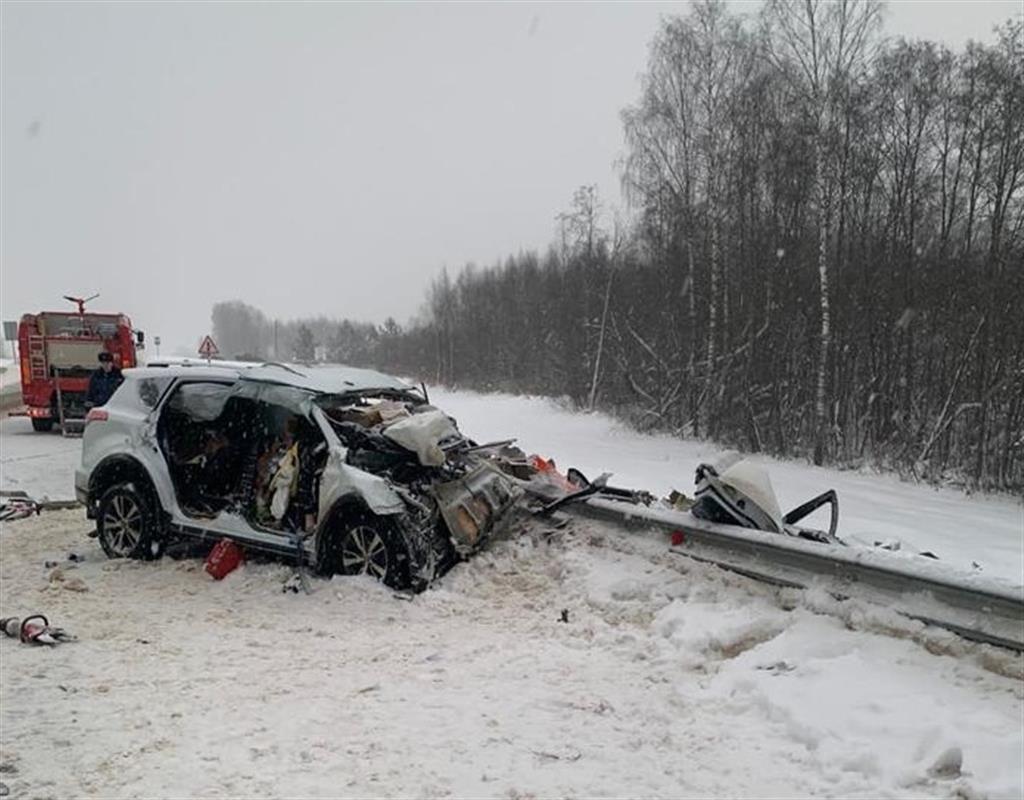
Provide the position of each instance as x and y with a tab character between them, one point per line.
103	382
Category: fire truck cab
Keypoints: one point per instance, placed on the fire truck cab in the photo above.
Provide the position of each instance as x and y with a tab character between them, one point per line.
58	352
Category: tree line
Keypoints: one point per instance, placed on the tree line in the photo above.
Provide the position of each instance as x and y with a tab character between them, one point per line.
825	259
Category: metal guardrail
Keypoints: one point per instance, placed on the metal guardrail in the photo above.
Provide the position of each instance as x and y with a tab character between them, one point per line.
970	605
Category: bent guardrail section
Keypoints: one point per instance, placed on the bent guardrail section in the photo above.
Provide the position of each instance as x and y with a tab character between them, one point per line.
973	606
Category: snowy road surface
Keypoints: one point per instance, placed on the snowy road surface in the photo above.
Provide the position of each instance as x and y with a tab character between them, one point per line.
669	679
42	464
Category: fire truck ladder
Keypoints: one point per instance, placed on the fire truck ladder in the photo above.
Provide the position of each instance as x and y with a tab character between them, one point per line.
37	357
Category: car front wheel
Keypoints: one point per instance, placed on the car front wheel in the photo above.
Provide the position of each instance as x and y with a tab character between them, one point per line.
374	549
128	523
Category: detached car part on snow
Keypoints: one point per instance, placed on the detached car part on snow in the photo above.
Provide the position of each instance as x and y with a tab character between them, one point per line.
737	492
733	492
347	469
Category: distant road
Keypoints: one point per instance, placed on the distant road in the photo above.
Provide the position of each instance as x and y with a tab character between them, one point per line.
10	386
42	464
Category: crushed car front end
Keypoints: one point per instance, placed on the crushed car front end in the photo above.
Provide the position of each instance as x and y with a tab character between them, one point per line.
404	460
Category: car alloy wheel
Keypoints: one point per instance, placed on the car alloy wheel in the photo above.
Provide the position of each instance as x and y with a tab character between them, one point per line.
365	552
122	524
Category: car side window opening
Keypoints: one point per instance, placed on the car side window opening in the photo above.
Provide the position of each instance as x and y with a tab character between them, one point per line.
198	433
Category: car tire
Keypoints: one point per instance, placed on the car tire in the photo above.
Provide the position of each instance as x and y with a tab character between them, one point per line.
128	523
42	425
372	546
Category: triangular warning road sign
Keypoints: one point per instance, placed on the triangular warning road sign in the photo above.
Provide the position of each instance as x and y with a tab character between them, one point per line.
208	349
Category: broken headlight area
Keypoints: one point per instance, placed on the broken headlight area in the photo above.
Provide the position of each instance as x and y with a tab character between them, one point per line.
454	498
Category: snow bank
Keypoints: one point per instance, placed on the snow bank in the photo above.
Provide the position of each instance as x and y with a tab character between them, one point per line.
836	695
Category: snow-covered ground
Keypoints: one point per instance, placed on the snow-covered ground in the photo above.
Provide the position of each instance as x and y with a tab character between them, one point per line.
42	464
985	530
10	383
669	679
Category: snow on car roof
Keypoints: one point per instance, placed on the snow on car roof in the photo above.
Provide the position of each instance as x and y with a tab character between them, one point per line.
323	379
328	379
160	369
185	361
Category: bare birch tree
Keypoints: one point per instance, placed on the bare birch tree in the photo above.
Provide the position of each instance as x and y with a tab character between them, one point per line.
820	46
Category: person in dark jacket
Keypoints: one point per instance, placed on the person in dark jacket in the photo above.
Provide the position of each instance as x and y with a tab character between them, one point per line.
103	382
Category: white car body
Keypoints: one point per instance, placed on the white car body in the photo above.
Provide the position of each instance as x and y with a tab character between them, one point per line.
122	446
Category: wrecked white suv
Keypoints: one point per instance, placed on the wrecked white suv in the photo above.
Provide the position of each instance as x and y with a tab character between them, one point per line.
346	469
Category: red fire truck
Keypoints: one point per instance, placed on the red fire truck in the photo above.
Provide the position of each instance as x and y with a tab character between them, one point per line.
59	350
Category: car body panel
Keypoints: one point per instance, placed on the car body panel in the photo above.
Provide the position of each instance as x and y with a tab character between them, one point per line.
340	481
472	504
234	526
128	432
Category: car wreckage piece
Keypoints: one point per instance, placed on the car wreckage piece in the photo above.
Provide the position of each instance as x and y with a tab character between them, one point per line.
739	492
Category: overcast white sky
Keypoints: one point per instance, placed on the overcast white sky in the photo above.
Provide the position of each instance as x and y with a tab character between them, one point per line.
312	158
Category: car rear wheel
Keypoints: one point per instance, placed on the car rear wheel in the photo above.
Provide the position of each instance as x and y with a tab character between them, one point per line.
128	523
373	548
42	425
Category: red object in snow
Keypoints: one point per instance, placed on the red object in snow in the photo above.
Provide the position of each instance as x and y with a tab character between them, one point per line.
548	468
678	538
223	559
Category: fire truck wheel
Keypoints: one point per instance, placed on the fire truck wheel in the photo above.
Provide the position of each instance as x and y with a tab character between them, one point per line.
128	523
42	425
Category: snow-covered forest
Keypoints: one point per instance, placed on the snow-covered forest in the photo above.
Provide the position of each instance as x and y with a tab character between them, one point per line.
823	256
